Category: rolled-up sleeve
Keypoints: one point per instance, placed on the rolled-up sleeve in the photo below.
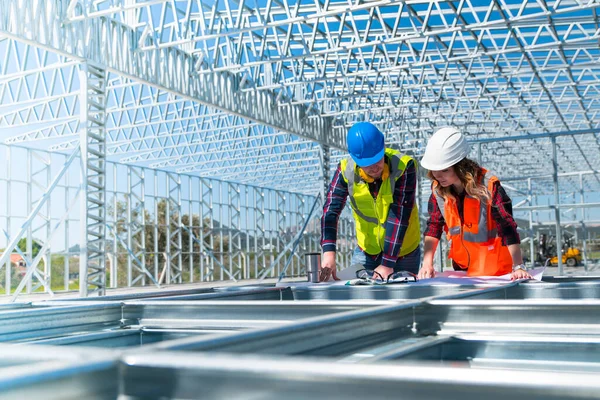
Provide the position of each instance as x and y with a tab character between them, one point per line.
335	202
503	215
435	220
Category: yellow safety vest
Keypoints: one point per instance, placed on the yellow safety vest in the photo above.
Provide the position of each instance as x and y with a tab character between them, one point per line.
371	214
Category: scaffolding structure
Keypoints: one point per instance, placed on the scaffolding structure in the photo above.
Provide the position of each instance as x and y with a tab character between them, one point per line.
341	342
151	150
169	107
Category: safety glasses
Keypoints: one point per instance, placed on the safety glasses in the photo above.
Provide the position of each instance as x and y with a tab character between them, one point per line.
395	277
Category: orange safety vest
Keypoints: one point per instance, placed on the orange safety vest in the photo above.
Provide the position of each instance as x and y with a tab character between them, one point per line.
474	242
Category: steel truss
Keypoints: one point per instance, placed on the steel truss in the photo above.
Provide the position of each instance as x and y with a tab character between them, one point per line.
376	340
211	88
262	93
160	227
92	142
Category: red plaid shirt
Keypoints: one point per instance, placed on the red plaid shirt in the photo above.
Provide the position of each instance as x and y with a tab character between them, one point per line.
501	212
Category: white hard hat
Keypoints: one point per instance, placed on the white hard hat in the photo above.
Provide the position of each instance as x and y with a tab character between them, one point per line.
444	149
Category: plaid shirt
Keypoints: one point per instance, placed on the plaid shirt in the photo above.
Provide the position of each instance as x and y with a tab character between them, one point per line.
398	214
501	212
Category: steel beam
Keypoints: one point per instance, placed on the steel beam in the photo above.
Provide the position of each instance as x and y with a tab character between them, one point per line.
113	46
272	378
92	264
533	136
559	238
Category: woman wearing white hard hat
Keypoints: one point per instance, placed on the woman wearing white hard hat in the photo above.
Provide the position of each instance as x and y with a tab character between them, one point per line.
472	208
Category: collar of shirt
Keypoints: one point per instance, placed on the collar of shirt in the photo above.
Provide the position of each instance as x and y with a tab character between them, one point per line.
376	184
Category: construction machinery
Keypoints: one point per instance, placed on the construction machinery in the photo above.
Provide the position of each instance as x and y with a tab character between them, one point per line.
547	251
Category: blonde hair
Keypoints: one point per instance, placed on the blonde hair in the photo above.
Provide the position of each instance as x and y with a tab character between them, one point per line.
470	174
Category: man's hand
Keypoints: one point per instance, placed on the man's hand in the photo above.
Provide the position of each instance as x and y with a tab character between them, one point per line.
328	267
426	271
520	274
383	271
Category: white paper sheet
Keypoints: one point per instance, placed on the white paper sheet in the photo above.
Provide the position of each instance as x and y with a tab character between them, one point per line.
442	278
461	278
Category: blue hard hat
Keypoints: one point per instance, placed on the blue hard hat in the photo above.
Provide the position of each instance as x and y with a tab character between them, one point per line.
366	144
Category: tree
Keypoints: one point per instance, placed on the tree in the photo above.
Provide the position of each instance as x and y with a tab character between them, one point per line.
35	246
156	229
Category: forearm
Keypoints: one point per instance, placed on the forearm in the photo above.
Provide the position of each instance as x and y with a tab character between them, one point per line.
329	224
334	204
515	253
435	221
429	246
517	258
502	214
393	243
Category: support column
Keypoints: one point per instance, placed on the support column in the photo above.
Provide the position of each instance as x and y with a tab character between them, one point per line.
557	206
325	161
42	178
92	263
159	254
207	264
29	205
235	229
583	227
136	222
281	216
114	254
192	228
260	260
531	241
174	237
8	265
66	237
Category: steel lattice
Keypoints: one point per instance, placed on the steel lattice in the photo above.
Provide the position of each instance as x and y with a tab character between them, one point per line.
247	90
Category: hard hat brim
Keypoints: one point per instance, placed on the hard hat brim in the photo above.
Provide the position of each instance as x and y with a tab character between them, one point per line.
365	162
432	166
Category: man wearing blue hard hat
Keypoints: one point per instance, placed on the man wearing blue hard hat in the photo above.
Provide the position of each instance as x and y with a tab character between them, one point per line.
381	184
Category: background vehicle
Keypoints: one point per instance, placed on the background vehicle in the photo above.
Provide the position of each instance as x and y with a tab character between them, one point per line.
547	251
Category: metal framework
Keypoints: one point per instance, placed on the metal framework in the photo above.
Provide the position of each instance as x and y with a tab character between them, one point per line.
92	142
160	227
228	90
422	340
262	92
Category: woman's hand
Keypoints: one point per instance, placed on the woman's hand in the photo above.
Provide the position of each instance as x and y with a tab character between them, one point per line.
520	274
